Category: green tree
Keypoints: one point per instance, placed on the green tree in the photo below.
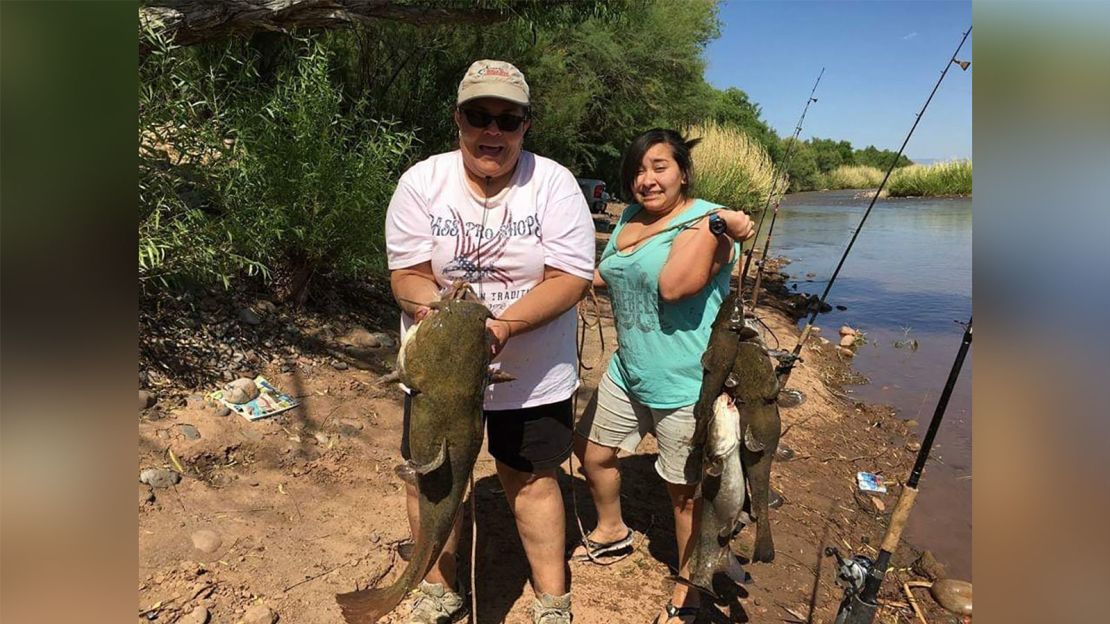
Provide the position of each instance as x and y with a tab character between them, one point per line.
801	165
826	153
733	108
880	159
239	174
594	86
847	154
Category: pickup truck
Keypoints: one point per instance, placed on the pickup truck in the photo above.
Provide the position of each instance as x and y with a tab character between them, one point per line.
596	196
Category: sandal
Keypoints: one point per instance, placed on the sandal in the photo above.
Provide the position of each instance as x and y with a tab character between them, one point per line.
605	553
678	612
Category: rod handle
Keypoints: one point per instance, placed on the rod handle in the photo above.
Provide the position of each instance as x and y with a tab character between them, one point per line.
898	519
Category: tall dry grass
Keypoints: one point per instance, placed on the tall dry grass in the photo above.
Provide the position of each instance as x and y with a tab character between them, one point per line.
731	168
851	177
939	179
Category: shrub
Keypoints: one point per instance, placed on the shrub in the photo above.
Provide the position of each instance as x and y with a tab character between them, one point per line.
243	175
730	168
940	179
182	165
314	173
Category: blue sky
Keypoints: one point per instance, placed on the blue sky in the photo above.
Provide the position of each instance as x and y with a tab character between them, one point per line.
881	60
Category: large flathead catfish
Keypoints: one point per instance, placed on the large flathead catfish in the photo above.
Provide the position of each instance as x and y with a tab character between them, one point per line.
444	360
736	364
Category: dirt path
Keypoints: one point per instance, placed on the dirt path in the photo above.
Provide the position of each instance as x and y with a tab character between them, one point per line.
306	504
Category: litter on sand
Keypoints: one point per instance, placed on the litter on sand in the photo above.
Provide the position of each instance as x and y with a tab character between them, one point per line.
870	482
269	402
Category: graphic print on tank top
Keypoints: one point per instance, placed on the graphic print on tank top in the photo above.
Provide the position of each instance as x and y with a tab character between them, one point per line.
637	308
477	251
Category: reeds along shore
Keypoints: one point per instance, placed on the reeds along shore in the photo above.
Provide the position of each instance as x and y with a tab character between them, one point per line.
851	177
731	168
936	180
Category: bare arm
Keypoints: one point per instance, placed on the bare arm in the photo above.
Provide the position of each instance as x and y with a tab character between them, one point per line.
697	255
414	287
557	293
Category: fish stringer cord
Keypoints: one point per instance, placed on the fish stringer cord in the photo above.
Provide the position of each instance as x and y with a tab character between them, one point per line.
473	550
584	327
473	492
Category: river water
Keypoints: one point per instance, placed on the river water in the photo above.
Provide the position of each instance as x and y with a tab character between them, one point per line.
908	277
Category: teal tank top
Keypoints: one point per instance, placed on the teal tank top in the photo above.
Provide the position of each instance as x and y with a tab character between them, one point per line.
659	344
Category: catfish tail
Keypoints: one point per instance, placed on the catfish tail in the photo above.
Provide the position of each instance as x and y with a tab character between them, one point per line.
367	606
699	586
764	551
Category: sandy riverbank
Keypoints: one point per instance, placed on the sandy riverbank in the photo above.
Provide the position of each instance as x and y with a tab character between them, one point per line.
306	504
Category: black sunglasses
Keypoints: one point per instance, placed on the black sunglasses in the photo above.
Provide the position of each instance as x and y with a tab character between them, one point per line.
480	119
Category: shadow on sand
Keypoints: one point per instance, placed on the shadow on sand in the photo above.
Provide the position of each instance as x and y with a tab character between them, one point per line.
502	568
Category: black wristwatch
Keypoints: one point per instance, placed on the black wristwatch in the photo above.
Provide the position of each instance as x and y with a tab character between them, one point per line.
717	224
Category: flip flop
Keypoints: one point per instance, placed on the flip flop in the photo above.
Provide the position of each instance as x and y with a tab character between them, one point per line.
606	553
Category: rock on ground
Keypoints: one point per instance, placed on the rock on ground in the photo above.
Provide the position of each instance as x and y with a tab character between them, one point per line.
241	390
189	431
259	614
953	595
360	337
159	477
207	540
247	316
196	401
196	616
928	567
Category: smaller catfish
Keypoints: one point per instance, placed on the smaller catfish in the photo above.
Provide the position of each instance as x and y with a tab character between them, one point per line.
722	495
444	361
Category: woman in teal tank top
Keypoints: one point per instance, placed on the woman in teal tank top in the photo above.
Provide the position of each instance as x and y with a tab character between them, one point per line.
667	273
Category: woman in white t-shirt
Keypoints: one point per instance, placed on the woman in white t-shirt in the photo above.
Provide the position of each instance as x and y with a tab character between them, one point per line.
516	227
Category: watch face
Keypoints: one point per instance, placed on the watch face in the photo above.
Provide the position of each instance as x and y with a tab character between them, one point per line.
716	224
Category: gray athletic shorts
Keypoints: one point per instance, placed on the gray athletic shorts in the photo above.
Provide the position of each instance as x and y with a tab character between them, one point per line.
616	420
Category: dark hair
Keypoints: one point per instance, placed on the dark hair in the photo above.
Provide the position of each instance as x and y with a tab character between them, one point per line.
634	155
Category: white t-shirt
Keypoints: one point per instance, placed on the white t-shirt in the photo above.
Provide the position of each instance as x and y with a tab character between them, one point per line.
500	246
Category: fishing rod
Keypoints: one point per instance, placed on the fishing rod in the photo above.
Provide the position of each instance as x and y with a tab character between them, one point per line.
787	361
860	577
781	175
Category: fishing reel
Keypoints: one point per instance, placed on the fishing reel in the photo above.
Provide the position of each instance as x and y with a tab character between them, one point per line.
741	321
850	573
788	397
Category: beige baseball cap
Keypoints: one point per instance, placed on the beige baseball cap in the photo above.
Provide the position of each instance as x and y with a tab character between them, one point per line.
496	79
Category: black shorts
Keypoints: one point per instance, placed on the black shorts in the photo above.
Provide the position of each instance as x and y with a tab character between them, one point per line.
529	439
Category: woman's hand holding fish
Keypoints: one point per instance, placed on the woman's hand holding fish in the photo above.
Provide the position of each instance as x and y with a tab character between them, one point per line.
421	312
499	332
